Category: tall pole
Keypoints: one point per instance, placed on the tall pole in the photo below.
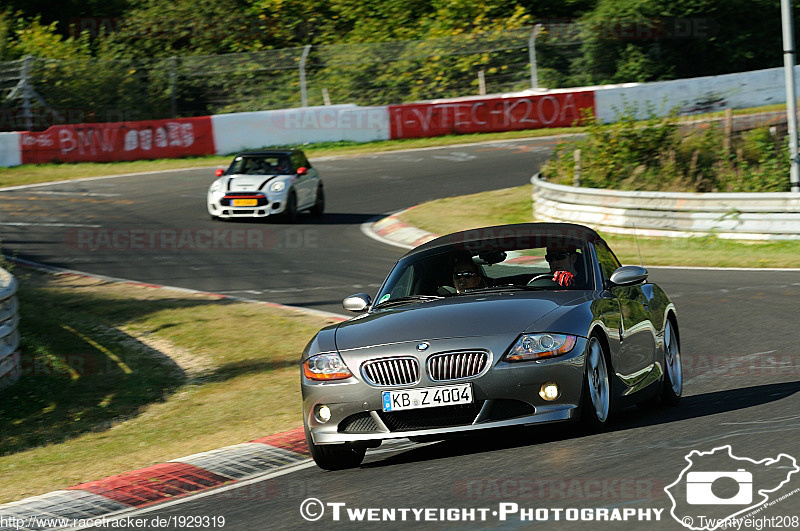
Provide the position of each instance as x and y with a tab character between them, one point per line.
532	54
303	88
791	110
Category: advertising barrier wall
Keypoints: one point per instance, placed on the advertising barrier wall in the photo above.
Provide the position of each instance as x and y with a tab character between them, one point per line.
332	123
9	335
486	115
109	142
695	95
10	153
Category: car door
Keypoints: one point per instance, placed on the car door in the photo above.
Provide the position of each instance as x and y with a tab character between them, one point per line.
305	185
636	355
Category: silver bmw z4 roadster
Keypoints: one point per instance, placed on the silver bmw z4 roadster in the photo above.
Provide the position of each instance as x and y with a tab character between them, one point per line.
498	326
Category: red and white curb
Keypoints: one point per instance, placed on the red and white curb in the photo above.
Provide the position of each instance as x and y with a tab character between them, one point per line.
391	231
158	483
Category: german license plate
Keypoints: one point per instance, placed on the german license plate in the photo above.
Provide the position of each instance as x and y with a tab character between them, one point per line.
244	202
446	395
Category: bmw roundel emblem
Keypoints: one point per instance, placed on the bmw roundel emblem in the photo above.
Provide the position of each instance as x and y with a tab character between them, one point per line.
423	346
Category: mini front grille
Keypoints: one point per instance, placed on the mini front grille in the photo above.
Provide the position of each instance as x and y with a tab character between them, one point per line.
391	371
456	365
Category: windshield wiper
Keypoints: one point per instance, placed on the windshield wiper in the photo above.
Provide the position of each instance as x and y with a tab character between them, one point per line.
407	298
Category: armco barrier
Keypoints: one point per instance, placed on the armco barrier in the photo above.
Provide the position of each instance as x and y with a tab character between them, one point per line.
747	216
332	123
109	142
9	335
489	115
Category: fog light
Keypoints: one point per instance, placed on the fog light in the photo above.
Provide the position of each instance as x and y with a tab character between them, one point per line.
324	413
549	391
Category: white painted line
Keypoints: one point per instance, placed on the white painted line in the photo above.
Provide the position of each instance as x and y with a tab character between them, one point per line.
26	224
61	270
87	179
79	194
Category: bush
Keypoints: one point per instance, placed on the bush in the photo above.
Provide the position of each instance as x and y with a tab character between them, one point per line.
657	154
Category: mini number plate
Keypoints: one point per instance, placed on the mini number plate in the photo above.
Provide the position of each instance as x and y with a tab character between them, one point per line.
446	395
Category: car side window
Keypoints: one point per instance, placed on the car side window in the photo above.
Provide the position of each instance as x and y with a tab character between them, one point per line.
299	159
608	262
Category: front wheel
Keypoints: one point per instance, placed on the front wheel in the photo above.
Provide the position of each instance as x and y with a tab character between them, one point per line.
596	401
289	214
335	456
673	377
319	204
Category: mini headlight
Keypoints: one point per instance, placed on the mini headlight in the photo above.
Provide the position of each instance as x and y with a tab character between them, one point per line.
538	346
277	186
324	367
216	186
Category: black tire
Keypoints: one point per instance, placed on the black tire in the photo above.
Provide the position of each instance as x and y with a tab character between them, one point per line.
673	369
319	204
597	396
289	214
336	456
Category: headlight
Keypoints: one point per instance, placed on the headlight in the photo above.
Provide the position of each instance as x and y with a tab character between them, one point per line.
325	367
216	186
537	346
277	186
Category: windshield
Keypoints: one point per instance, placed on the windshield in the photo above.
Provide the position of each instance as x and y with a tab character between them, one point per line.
263	165
458	271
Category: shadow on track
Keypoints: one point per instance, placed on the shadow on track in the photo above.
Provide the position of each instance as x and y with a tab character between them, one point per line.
690	407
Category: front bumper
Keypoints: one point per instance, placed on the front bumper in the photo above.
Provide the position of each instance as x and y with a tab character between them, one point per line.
272	204
505	395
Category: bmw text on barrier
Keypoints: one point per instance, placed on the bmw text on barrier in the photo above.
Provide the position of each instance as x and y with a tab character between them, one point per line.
259	184
499	326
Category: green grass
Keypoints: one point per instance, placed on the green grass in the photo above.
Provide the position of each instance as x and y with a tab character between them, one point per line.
95	399
513	205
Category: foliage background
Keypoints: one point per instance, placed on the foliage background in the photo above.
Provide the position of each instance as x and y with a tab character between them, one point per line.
141	59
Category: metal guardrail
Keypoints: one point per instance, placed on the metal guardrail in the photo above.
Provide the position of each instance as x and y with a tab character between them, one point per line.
746	216
9	334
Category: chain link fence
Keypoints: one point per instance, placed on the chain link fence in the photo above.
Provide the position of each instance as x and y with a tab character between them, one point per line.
36	93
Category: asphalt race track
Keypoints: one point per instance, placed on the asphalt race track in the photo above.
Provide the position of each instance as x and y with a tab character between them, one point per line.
738	333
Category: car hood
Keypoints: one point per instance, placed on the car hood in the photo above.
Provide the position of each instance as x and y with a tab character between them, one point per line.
248	183
464	316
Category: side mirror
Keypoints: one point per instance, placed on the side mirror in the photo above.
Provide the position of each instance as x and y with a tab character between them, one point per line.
219	172
628	276
302	170
357	302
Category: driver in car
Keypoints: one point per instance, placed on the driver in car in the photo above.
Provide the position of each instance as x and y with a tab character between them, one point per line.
467	275
562	265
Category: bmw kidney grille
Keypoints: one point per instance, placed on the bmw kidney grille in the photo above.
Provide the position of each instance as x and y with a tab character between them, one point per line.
456	365
391	371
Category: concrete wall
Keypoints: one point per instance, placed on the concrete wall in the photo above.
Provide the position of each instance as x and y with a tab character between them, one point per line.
333	123
695	95
10	149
